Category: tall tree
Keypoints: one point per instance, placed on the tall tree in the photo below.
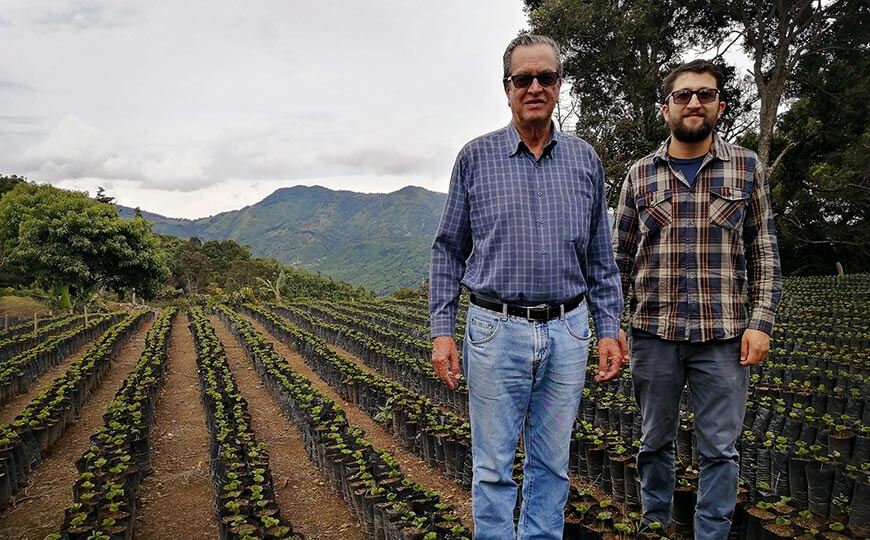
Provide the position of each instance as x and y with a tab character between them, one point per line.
822	188
778	36
615	57
64	239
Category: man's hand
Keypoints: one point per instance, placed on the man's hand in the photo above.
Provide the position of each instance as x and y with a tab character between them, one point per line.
445	360
610	357
754	347
623	346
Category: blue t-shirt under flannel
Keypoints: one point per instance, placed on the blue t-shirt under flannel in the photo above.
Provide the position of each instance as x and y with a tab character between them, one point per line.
689	167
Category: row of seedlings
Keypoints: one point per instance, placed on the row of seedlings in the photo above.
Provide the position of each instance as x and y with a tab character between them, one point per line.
12	345
18	372
388	505
25	325
25	441
376	348
239	464
387	319
407	344
413	311
118	454
439	437
805	450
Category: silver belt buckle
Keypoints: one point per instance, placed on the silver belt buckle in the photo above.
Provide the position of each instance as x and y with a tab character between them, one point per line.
530	308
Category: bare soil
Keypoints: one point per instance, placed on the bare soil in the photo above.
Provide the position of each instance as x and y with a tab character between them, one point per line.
303	495
177	500
413	467
38	509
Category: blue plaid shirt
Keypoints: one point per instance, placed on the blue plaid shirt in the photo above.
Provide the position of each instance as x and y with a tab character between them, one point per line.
525	230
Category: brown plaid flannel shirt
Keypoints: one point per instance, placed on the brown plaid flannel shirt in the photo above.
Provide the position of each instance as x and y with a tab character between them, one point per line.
702	259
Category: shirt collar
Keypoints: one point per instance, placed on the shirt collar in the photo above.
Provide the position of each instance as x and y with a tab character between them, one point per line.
719	150
515	144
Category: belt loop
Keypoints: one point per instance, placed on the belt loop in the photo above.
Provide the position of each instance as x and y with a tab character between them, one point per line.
528	313
561	312
504	311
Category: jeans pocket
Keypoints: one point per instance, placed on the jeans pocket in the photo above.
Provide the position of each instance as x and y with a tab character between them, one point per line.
577	325
480	329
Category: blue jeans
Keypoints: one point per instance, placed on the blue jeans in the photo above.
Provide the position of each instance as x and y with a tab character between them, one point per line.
718	385
523	376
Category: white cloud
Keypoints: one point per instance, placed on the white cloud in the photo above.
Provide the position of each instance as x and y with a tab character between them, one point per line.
190	96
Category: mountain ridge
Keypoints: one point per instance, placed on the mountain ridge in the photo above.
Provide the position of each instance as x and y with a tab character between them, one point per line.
381	241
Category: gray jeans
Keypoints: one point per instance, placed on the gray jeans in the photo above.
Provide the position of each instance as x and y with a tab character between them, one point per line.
718	386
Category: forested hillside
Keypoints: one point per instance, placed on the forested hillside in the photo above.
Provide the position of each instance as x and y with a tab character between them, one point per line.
378	241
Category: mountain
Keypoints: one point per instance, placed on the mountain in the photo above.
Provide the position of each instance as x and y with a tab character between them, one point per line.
380	241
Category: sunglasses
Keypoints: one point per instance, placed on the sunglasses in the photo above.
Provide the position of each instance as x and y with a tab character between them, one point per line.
705	95
548	78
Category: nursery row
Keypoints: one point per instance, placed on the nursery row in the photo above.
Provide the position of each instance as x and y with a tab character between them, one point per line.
25	441
244	493
370	480
18	372
118	454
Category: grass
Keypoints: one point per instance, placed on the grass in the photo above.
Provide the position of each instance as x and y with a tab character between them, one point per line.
21	306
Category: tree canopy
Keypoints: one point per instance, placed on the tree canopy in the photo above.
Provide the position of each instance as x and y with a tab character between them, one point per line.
64	239
616	55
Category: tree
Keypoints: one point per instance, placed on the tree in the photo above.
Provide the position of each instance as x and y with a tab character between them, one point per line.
779	36
65	240
615	55
9	182
822	188
274	287
102	197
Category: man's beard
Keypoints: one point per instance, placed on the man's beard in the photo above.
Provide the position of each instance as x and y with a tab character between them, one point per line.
693	135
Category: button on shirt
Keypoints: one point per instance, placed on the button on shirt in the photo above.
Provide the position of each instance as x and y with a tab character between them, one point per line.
525	230
702	258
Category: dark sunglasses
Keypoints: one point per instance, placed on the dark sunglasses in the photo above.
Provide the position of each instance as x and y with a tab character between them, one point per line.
705	95
548	78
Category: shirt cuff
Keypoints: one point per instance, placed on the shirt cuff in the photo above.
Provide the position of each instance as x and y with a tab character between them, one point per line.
759	322
608	331
442	327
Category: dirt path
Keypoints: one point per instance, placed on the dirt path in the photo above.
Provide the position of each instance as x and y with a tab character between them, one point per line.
38	509
10	410
301	492
177	500
413	467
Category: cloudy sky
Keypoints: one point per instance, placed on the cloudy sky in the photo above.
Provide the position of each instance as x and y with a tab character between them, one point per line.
189	108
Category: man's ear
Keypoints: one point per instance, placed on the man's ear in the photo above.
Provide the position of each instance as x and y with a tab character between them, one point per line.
722	107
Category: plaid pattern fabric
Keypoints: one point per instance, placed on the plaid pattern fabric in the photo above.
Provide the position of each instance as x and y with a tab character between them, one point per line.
703	259
525	230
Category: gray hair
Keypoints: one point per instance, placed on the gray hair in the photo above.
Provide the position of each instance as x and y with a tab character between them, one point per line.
527	40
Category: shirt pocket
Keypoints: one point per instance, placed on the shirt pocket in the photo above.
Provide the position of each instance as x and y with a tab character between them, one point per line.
654	210
728	207
577	212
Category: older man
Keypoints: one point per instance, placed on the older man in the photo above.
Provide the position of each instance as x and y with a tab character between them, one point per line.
525	229
695	241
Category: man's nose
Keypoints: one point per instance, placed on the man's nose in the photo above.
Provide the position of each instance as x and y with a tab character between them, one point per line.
536	86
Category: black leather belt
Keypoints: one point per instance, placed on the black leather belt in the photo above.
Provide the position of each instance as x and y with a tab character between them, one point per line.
542	312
